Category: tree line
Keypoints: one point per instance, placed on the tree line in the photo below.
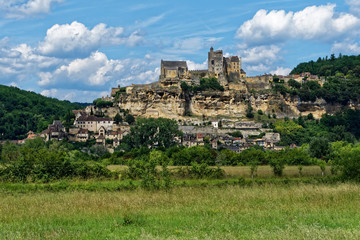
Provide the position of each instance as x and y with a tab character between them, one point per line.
336	89
329	66
23	111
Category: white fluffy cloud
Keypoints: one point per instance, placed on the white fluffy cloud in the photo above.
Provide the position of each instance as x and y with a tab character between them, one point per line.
21	9
346	47
260	54
74	95
148	76
76	39
21	62
197	66
354	6
96	70
259	68
281	71
319	23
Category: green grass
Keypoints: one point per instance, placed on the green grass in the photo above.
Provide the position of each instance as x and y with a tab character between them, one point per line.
267	211
262	172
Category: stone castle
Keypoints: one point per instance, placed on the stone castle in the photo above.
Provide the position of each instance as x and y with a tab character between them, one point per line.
165	98
226	70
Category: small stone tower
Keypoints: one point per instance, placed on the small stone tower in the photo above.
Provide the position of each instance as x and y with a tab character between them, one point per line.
216	65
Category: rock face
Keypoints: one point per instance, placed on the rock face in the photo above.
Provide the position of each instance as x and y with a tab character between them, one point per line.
175	104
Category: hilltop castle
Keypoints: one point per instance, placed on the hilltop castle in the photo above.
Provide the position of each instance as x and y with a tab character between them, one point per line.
226	70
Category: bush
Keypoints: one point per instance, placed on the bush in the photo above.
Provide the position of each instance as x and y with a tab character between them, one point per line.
38	163
277	162
349	163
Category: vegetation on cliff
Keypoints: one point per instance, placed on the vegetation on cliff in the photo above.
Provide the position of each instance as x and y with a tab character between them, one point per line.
343	65
206	84
23	111
343	126
336	89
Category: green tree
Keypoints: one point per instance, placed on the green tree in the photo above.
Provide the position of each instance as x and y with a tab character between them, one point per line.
349	162
118	119
249	111
254	164
129	119
153	132
277	162
319	147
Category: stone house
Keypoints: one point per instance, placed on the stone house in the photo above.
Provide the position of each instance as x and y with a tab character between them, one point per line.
93	123
82	135
54	131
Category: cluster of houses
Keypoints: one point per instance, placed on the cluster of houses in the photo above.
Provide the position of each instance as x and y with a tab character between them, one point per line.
236	144
302	77
86	127
105	131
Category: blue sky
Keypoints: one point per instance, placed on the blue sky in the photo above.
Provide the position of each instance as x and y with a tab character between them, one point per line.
77	50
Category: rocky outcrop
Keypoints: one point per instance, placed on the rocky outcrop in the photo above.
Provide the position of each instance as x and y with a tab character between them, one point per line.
175	104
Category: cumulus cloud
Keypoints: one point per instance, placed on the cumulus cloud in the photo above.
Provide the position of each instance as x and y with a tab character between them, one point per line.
49	93
354	6
95	70
259	59
74	95
319	23
260	54
347	47
148	76
99	72
21	9
281	71
76	39
259	68
21	62
197	66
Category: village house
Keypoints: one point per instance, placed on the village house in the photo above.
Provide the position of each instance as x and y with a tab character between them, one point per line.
82	135
93	123
114	136
54	131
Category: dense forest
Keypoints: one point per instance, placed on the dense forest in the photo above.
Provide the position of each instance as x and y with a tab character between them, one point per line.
22	111
347	65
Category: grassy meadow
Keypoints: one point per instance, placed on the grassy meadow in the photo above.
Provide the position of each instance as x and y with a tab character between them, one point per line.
262	172
268	211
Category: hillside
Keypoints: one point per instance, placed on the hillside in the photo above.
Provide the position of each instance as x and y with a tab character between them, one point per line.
347	65
22	111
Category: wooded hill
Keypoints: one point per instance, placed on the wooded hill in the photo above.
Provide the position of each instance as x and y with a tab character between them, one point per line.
347	65
22	111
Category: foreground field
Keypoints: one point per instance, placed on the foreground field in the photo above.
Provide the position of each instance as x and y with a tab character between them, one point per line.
231	212
262	171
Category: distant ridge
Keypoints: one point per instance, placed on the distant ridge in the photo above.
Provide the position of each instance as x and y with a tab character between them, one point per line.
23	111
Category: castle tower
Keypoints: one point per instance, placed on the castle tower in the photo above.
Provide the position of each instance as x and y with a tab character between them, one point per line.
216	65
216	62
211	63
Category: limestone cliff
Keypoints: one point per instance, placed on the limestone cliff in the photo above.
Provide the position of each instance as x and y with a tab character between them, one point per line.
154	101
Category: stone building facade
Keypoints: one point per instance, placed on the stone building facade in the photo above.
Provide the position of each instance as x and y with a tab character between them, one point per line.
224	69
